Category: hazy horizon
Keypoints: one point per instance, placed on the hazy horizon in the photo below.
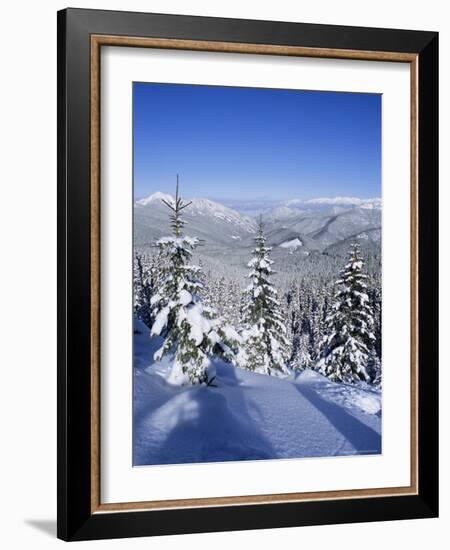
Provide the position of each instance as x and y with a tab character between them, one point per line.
256	198
263	205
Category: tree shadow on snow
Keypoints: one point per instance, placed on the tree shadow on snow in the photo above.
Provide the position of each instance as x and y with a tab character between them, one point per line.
213	428
143	407
363	438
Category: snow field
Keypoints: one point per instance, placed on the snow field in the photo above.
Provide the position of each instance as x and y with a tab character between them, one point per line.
245	415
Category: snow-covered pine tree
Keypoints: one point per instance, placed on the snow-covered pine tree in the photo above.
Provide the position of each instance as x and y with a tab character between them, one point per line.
231	302
302	359
375	301
374	368
142	292
349	336
189	329
146	272
315	334
265	346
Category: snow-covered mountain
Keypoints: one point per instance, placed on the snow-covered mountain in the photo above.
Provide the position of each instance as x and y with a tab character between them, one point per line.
321	225
154	198
320	229
280	213
209	208
204	207
207	219
341	201
333	205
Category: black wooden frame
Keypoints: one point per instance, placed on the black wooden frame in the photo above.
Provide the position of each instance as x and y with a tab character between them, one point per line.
75	521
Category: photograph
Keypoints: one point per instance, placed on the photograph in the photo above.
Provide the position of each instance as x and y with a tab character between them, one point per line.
257	295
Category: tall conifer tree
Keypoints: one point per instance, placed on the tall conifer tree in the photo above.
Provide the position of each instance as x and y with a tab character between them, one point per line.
349	337
190	331
264	334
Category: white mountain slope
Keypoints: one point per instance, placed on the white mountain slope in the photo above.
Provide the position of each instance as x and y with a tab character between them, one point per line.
206	207
320	229
155	197
209	220
293	243
281	213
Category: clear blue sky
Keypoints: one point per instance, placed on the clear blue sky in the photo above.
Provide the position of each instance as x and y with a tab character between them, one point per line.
246	143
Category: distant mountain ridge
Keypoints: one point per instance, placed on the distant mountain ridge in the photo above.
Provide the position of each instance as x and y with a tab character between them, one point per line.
343	201
267	205
294	227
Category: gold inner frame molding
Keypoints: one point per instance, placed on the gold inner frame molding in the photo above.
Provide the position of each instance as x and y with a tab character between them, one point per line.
97	41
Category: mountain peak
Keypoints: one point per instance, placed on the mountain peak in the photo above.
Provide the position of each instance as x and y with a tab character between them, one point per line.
158	196
203	208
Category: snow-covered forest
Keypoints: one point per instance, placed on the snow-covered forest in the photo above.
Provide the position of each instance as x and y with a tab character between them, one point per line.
301	324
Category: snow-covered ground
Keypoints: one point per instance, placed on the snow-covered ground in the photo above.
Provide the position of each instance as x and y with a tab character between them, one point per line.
246	416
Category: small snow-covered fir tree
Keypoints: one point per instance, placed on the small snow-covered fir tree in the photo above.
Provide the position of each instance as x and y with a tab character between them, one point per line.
291	313
349	337
375	361
146	273
265	346
301	358
142	292
315	327
374	369
190	331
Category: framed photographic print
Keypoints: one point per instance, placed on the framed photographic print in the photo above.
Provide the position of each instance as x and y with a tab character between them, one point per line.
247	274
